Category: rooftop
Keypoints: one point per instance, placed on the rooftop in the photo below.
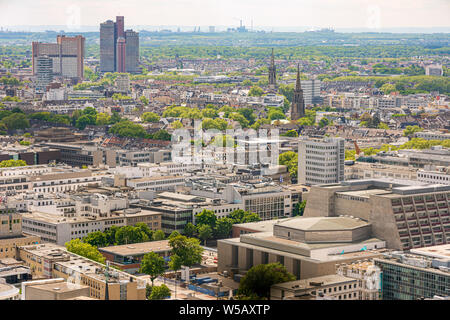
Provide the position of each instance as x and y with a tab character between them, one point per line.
137	249
323	223
313	283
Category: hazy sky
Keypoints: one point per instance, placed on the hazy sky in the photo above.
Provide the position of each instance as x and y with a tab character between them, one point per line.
276	13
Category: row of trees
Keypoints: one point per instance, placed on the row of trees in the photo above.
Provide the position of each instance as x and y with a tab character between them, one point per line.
12	163
208	226
414	143
123	235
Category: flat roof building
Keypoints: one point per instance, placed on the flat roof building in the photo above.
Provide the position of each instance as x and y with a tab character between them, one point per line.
406	214
307	247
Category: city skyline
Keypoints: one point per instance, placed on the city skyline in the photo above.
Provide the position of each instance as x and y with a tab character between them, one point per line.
349	14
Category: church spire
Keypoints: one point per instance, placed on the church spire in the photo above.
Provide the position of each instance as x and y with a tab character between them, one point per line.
298	85
272	72
298	103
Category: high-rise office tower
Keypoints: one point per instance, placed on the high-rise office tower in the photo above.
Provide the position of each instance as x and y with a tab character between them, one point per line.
132	51
44	73
67	55
298	103
272	73
119	49
120	54
321	161
108	46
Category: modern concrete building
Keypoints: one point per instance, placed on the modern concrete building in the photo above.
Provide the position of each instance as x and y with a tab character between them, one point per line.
49	261
307	247
53	289
329	287
128	257
422	273
321	161
11	235
268	201
406	214
67	56
9	292
44	73
365	170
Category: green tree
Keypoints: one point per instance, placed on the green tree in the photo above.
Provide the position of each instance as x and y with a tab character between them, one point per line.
111	234
102	119
259	279
187	249
291	133
383	125
85	250
161	135
85	120
160	292
174	234
411	130
210	113
289	159
153	265
241	216
255	91
12	163
299	208
145	229
190	230
248	114
324	122
205	232
223	228
126	128
387	88
276	114
144	100
130	234
207	217
239	118
16	121
97	239
159	235
176	125
150	117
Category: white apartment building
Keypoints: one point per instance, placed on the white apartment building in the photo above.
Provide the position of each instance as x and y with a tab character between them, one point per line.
25	171
268	201
433	135
439	176
158	183
64	181
59	229
321	161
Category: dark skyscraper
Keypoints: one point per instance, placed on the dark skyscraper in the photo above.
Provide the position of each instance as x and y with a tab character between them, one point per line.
272	73
108	46
132	51
298	103
119	49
